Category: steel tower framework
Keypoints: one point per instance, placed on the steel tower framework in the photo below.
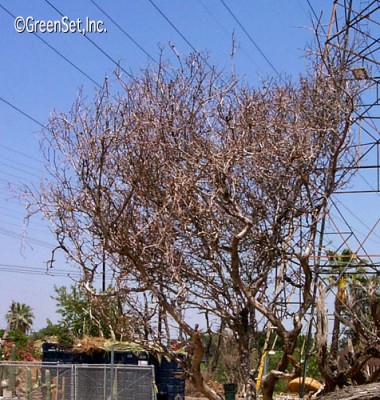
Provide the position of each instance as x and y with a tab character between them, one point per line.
353	218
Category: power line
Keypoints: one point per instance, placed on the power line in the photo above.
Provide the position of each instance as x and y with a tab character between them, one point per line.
303	8
19	152
20	111
57	52
16	162
316	16
27	116
14	212
226	31
9	186
19	169
11	201
21	219
94	44
22	223
250	38
124	32
11	174
15	235
63	57
179	32
27	270
312	10
172	25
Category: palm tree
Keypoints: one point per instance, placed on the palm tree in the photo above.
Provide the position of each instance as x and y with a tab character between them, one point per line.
339	264
349	276
20	317
351	357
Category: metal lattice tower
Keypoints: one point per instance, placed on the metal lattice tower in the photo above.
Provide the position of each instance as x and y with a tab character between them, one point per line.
353	220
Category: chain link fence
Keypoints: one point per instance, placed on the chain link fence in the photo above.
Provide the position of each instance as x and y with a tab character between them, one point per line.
45	381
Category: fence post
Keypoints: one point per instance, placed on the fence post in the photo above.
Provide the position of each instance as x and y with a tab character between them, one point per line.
28	384
112	370
73	381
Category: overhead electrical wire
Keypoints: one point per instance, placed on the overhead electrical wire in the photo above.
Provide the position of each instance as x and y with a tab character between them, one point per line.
56	51
173	26
93	43
42	125
19	163
25	114
7	173
250	38
10	201
4	164
303	8
20	111
20	152
179	33
25	228
14	212
27	270
97	84
124	31
10	233
15	235
226	31
21	221
316	16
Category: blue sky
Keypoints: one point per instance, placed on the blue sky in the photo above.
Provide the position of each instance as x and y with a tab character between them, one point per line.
35	79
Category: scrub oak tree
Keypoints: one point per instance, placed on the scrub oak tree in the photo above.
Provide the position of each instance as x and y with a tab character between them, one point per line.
202	197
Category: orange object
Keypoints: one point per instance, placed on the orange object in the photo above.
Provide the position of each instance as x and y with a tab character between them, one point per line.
311	385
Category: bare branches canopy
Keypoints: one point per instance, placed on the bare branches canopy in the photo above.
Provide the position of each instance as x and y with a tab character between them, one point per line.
194	188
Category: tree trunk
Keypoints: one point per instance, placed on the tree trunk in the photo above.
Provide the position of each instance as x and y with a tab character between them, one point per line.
363	392
215	359
321	339
336	328
268	386
196	376
249	387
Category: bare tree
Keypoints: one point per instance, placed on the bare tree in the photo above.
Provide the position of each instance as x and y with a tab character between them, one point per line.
205	196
